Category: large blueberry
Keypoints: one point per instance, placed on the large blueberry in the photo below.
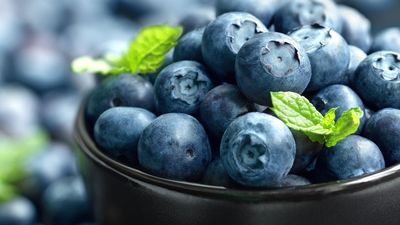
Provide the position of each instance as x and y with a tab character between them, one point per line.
124	90
328	52
175	146
356	57
377	80
224	37
339	96
351	157
216	174
298	13
356	28
383	128
189	46
181	86
257	150
18	211
271	62
387	40
306	152
221	106
117	131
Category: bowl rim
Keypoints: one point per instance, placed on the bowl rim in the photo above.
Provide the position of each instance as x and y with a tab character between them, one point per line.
85	144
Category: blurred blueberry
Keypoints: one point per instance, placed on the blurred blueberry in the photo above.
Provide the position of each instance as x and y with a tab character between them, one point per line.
18	211
11	29
387	40
131	9
198	18
356	57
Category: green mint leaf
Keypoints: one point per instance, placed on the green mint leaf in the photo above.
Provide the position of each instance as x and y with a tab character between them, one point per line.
86	64
7	192
329	119
346	125
147	52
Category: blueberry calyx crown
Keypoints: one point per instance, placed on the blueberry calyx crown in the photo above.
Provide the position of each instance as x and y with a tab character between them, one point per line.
388	66
313	12
240	32
185	85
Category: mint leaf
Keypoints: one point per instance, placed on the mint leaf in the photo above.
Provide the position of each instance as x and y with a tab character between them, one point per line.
147	52
7	192
346	125
329	118
86	64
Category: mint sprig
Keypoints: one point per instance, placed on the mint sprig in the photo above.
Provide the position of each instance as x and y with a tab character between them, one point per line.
300	115
146	53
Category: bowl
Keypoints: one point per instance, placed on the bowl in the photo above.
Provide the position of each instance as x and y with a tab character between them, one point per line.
124	196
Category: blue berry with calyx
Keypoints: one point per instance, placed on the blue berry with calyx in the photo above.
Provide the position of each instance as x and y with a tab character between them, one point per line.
189	46
271	62
181	86
387	40
223	39
356	57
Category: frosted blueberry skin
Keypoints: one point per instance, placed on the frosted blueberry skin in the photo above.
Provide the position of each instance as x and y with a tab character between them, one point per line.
189	46
387	40
298	13
306	152
271	62
263	10
125	90
356	28
383	128
224	37
18	211
117	131
377	80
175	146
181	86
339	96
216	174
356	57
328	52
257	150
353	156
221	106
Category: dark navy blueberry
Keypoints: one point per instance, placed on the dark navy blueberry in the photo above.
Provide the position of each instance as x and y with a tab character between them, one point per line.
271	62
328	52
175	146
216	174
306	152
117	131
263	10
221	106
189	46
339	96
65	202
298	13
356	28
55	162
356	57
292	180
383	128
377	80
224	37
257	150
18	211
124	90
387	40
353	156
181	86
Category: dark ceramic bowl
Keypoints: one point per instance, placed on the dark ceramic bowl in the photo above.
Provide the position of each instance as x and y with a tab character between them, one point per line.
127	196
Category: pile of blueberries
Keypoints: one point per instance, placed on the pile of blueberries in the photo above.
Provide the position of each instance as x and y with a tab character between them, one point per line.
205	115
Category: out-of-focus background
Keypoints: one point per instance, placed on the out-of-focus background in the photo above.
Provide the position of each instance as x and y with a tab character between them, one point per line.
39	96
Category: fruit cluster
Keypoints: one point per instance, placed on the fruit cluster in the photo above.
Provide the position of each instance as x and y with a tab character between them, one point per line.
227	110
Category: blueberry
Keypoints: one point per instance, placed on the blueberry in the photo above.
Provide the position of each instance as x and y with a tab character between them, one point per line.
383	128
189	46
387	40
328	52
181	86
298	13
175	146
356	57
221	106
356	28
124	90
55	162
351	157
376	80
224	37
65	202
216	174
339	96
117	131
257	150
292	180
263	10
306	152
153	76
197	19
18	211
271	62
368	114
